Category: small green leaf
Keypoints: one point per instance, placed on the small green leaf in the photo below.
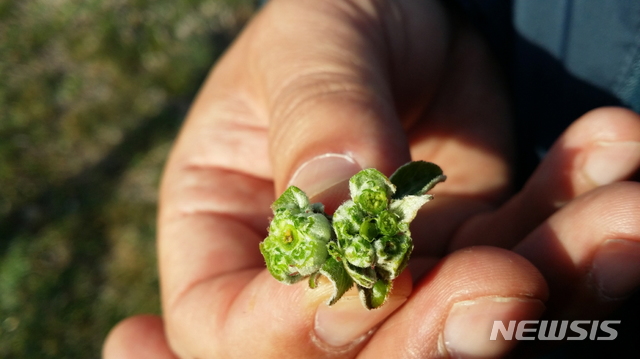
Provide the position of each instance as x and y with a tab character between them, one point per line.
416	178
407	207
293	199
317	207
335	272
375	296
364	277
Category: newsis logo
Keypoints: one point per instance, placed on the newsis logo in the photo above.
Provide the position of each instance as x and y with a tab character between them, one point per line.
537	329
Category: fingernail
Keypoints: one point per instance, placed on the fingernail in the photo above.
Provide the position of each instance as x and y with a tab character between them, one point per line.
612	161
467	330
322	172
616	268
348	320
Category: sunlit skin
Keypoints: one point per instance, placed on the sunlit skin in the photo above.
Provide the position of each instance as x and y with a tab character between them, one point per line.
384	83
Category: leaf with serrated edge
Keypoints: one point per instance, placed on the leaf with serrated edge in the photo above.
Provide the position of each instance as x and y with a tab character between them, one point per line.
335	272
416	178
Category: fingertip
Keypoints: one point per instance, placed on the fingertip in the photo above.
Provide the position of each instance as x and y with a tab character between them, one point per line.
137	337
509	289
600	148
608	113
588	251
469	330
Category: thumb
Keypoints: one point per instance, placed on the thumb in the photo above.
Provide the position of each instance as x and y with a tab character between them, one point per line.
333	103
348	323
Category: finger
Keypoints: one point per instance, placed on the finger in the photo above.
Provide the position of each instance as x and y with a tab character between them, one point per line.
589	251
601	147
271	320
439	220
452	311
139	337
329	70
466	130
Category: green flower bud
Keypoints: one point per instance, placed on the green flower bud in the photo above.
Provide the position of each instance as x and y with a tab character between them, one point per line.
359	252
297	242
388	223
372	201
366	242
392	254
347	221
371	190
370	178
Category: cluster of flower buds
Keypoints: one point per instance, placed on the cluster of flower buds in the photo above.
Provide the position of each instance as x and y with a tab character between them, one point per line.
366	242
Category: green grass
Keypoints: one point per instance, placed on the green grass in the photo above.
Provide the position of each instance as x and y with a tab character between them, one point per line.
92	94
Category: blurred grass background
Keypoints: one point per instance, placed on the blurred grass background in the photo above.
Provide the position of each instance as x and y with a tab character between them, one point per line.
92	93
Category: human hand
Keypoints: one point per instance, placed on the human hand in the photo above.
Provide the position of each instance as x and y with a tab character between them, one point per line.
577	220
312	92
